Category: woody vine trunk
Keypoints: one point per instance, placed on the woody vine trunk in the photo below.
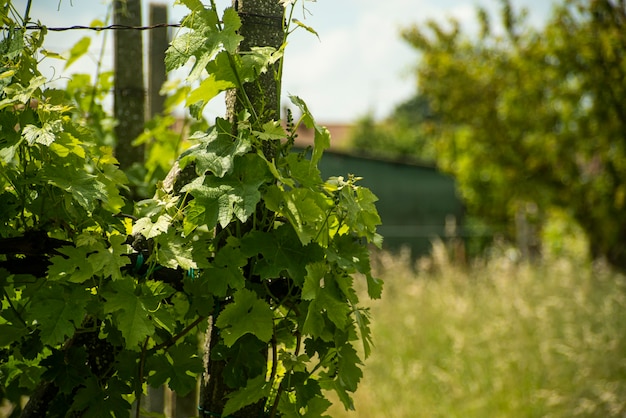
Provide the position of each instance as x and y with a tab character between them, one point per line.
261	25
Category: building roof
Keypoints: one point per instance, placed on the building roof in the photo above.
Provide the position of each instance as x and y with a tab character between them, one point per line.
339	136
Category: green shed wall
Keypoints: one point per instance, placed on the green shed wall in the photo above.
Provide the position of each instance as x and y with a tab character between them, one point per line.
415	201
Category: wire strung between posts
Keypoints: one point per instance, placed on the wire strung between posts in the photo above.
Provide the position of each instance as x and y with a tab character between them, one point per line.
95	28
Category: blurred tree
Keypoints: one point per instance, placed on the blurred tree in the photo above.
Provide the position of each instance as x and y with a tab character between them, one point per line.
534	118
406	133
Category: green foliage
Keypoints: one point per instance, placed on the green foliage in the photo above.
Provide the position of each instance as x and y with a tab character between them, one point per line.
533	116
96	303
407	132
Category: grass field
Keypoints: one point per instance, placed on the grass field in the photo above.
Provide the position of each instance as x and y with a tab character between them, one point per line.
499	339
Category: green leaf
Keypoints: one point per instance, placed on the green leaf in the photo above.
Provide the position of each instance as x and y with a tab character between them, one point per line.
363	322
225	272
174	251
217	151
78	50
95	401
254	390
148	229
67	368
246	314
207	90
181	49
193	5
236	194
303	171
230	33
306	210
44	135
362	216
321	139
313	279
85	188
58	310
129	312
179	366
348	367
281	250
9	333
110	260
305	27
271	130
74	267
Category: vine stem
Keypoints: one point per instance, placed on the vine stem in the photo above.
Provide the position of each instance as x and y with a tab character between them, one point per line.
280	385
279	75
138	388
172	341
6	295
27	12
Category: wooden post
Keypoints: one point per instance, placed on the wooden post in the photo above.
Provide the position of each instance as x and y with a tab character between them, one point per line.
129	106
157	45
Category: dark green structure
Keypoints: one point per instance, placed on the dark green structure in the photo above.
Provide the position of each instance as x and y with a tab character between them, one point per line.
416	202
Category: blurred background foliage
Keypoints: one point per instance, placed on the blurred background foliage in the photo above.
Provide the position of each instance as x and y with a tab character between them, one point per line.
530	121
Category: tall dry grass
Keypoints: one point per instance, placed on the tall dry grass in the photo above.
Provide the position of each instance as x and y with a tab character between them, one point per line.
498	339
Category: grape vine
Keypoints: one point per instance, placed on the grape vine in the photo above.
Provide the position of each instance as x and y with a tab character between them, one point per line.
244	234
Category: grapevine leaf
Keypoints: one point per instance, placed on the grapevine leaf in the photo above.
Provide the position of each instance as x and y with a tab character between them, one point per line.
256	61
84	187
254	390
110	260
74	267
78	50
271	130
216	152
337	310
68	369
175	251
58	310
148	229
192	5
220	279
246	314
281	250
129	312
230	35
349	373
363	322
208	89
316	407
10	333
96	401
314	322
321	138
362	215
312	281
306	210
225	272
202	211
182	48
350	255
179	366
236	194
303	171
44	135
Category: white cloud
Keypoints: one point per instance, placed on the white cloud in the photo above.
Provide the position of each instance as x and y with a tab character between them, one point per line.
360	64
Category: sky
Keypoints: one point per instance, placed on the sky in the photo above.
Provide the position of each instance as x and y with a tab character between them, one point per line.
358	66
